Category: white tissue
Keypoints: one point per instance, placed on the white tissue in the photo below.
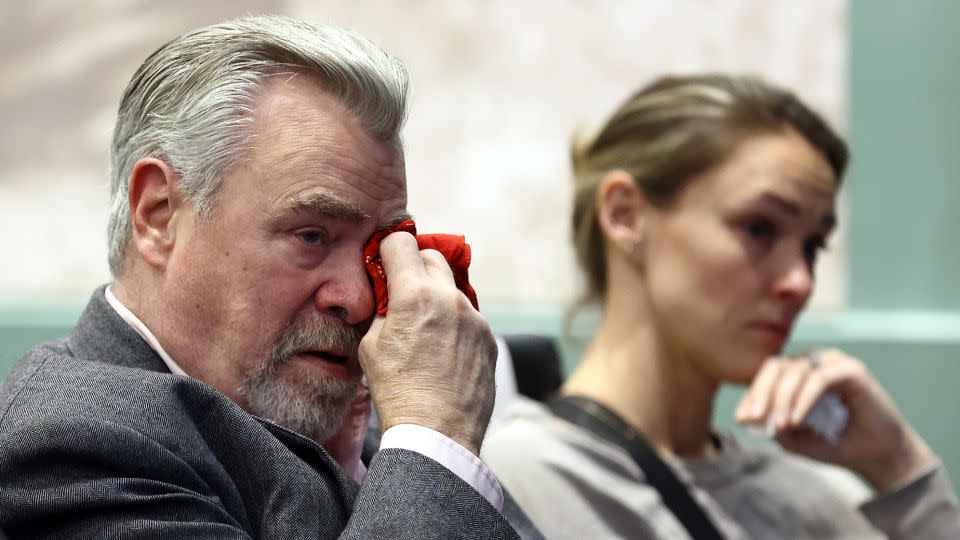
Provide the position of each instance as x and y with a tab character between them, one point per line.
828	417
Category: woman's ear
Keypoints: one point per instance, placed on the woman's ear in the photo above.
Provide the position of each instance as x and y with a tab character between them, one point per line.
154	200
621	212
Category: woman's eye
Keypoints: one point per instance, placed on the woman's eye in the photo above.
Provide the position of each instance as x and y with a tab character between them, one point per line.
761	229
813	248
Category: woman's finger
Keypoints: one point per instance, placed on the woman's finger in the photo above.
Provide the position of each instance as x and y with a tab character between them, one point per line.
791	381
833	369
755	405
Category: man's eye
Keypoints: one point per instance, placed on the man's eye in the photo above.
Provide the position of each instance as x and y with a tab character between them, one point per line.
312	237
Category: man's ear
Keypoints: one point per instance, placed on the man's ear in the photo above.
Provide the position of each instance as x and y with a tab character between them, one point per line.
154	201
621	212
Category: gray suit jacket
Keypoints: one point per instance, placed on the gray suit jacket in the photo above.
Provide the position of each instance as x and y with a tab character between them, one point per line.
99	440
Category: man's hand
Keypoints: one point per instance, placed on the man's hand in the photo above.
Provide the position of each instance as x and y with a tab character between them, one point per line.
877	442
430	361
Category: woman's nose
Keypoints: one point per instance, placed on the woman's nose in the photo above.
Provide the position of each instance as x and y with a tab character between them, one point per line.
796	283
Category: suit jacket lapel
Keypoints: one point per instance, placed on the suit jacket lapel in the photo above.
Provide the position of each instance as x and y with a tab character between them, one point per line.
101	335
318	458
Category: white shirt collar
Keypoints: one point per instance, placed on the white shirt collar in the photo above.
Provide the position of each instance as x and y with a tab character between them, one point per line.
144	332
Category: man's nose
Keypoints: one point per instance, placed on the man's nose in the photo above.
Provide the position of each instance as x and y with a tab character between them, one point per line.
346	292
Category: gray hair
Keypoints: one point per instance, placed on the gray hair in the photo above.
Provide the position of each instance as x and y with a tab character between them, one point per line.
191	102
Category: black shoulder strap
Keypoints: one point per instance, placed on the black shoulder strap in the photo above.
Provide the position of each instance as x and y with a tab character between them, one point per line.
604	423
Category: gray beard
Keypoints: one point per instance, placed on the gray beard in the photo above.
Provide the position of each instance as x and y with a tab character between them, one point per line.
312	406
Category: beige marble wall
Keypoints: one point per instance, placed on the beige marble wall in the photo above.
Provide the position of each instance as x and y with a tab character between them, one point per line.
498	88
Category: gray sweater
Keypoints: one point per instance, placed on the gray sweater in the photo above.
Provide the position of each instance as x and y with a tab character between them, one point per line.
573	485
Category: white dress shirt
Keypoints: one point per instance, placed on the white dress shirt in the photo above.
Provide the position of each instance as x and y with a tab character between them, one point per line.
422	440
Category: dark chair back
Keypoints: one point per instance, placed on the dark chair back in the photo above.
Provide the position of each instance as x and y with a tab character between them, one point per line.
536	363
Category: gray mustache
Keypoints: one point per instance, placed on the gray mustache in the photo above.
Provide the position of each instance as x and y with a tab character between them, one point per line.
318	332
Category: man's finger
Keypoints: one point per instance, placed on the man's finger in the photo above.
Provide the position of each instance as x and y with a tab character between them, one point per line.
368	345
401	259
437	266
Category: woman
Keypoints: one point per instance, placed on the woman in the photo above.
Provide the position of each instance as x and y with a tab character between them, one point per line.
699	212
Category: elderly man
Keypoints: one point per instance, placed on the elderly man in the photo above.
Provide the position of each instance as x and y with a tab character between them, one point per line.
203	392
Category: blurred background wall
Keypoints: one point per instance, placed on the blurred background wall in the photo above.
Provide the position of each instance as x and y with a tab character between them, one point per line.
498	90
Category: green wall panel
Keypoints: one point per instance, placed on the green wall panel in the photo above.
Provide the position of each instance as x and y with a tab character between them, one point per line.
904	186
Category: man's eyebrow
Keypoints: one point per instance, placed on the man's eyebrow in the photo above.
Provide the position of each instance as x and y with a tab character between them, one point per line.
396	220
326	204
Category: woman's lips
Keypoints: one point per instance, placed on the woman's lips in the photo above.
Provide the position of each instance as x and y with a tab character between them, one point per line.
774	331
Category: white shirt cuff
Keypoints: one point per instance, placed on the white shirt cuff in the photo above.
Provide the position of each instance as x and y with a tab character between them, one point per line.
448	453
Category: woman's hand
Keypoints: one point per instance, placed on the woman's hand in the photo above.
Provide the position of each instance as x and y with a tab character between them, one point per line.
877	443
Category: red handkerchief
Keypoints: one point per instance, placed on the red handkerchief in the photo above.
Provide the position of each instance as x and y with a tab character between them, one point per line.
452	247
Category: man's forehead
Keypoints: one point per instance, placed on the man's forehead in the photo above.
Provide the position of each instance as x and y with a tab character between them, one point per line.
322	160
288	103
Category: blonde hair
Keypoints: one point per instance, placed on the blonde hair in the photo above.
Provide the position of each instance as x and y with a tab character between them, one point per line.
670	131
